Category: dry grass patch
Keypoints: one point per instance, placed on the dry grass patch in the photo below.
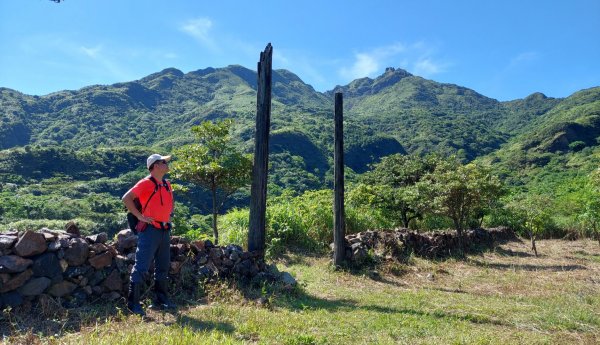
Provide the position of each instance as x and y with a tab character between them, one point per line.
504	296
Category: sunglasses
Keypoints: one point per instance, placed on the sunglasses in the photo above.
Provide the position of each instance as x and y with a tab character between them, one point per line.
162	161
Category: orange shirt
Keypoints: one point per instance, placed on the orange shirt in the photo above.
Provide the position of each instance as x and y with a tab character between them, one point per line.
161	204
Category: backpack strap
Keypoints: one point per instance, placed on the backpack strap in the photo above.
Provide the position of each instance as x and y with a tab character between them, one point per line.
156	186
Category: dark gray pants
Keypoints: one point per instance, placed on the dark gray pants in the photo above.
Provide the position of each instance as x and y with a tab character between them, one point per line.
154	244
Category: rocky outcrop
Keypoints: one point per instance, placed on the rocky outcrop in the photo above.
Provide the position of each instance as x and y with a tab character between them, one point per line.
75	269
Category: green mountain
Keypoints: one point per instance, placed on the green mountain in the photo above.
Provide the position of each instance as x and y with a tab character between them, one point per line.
93	138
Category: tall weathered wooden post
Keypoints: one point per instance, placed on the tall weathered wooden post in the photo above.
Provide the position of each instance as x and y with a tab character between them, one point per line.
338	184
258	193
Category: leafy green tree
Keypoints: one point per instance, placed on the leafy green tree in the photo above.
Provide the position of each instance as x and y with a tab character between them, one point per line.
533	210
213	163
392	186
462	192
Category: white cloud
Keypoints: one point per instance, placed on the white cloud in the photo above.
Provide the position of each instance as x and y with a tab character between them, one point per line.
522	58
418	58
426	67
106	62
366	64
200	29
91	52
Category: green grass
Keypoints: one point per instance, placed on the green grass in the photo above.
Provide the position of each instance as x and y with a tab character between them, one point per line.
501	297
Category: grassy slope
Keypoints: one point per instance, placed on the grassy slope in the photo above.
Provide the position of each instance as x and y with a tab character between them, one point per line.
501	297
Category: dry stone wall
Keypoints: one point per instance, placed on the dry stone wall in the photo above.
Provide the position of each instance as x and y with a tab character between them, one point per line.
393	244
77	269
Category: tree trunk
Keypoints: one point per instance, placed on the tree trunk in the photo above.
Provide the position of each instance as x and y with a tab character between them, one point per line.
214	212
459	233
339	239
533	247
405	220
260	169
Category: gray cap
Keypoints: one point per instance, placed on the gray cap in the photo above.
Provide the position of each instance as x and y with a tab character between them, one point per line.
156	157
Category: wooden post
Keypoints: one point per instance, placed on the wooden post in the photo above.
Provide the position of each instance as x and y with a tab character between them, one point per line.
338	184
258	193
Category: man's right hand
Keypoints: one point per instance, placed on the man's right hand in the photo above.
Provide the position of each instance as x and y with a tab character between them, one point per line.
145	219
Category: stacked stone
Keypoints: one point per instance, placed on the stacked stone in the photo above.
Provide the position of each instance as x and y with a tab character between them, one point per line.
78	269
392	244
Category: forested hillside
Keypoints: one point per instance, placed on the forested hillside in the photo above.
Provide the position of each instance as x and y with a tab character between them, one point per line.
69	146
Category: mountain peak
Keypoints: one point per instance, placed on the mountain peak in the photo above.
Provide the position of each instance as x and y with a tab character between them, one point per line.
536	96
161	80
368	86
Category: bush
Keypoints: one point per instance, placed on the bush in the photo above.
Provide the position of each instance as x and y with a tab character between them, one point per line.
234	227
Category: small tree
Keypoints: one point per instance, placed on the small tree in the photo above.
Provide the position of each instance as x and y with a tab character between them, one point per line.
463	192
535	218
392	185
213	163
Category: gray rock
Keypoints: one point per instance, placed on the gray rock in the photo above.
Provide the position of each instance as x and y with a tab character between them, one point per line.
98	248
31	243
113	282
62	289
121	263
13	264
34	286
98	238
61	242
287	279
77	253
73	272
215	253
97	277
7	242
126	239
47	265
72	229
16	281
234	256
48	236
102	260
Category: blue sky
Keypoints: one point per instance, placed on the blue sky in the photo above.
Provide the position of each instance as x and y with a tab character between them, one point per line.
501	49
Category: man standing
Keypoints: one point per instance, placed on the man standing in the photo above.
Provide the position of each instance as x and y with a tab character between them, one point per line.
154	229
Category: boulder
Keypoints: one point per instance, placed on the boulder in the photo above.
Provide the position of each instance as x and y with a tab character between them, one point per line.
62	289
72	229
113	282
197	246
13	264
126	239
16	281
34	286
98	248
77	252
73	272
7	242
98	238
31	243
102	260
48	236
47	265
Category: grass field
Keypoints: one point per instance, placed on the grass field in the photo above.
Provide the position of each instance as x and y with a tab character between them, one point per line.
504	296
